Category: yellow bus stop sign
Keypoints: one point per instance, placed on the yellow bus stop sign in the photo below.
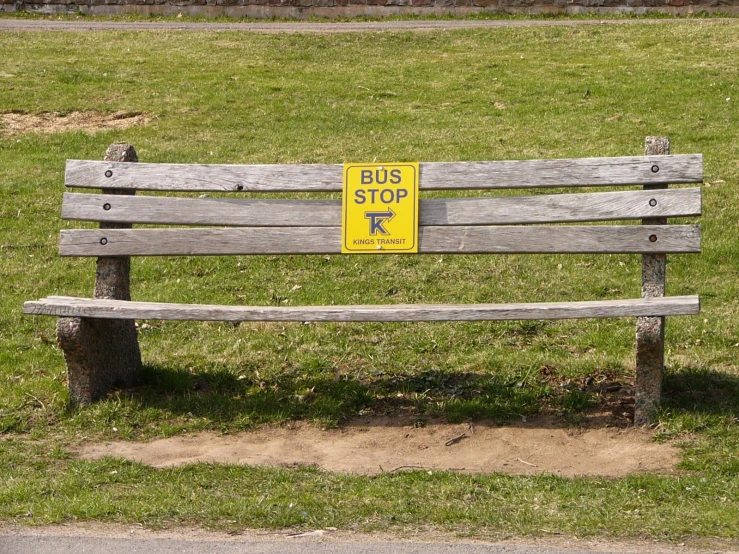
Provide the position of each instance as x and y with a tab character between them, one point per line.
380	208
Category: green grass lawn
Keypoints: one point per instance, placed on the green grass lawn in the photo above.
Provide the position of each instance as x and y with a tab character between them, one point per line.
442	96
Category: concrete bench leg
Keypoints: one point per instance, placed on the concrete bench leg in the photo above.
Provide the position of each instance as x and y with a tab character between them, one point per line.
650	331
103	352
99	353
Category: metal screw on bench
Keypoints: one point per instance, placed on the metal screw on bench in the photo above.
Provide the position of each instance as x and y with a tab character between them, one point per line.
650	331
102	352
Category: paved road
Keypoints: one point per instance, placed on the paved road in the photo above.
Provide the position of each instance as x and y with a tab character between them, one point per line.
72	545
25	544
10	24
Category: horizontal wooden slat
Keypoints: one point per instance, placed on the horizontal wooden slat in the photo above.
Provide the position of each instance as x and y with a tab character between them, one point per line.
550	208
634	170
120	309
202	211
327	240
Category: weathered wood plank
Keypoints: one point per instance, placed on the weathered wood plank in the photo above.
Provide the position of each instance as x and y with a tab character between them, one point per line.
327	240
204	211
632	170
550	208
94	308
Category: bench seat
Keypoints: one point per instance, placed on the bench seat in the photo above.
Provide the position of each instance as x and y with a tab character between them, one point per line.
66	306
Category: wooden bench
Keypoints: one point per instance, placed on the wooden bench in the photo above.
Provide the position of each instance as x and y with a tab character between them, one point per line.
98	335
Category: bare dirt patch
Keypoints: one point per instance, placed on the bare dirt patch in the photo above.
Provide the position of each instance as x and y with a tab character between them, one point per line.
56	122
370	446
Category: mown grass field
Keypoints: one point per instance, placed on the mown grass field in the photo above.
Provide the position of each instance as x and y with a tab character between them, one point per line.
441	96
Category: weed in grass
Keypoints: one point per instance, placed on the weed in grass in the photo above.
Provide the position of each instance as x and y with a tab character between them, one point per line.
576	401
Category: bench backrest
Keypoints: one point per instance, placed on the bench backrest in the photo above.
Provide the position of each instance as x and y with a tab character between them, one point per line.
488	224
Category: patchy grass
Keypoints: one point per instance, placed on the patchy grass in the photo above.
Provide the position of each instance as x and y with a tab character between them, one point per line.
47	487
464	95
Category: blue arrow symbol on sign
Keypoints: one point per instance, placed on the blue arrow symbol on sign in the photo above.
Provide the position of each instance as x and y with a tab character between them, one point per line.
377	220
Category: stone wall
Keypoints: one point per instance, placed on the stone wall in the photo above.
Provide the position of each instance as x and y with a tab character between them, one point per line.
350	8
